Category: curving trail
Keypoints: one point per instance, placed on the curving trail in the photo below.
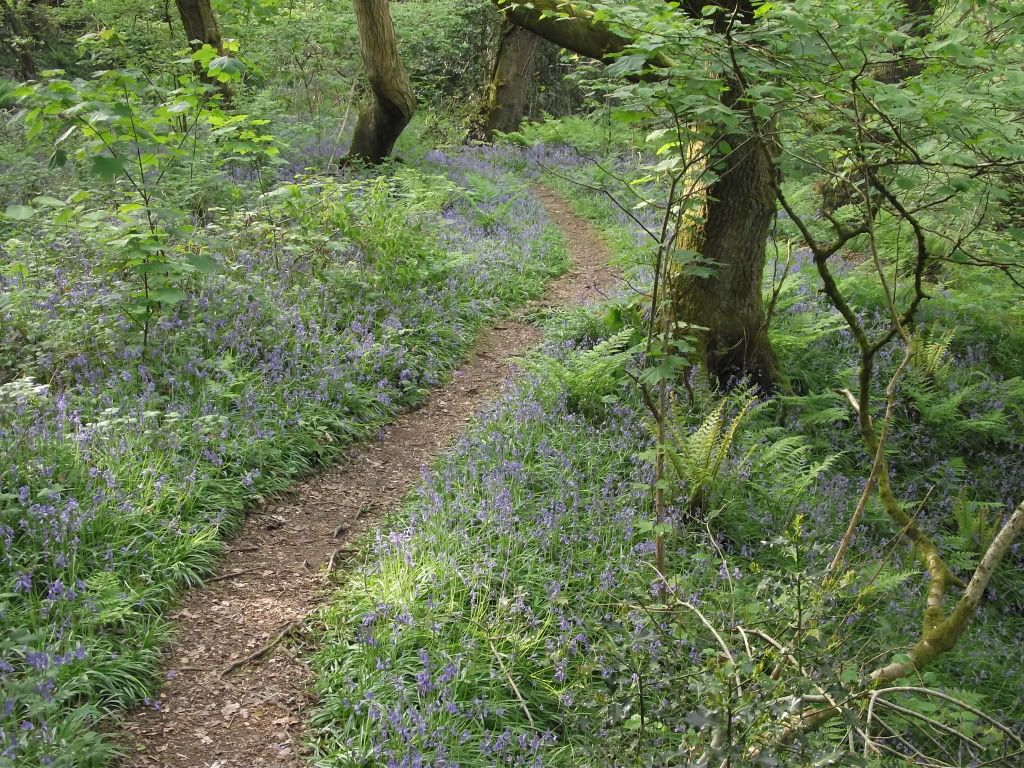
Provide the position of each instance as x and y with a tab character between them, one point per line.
274	573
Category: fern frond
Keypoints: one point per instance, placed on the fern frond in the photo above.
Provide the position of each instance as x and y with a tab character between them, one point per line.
747	400
932	357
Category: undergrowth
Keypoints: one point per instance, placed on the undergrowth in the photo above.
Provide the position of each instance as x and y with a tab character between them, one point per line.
512	616
333	304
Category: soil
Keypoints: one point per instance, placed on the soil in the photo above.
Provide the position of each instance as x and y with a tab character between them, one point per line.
276	573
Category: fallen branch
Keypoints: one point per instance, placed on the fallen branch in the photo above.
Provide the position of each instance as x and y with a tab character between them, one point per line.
259	653
953	700
226	576
942	633
332	564
512	683
718	637
858	512
936	724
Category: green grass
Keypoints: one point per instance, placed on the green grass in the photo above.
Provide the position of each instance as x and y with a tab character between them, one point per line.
456	621
118	481
508	618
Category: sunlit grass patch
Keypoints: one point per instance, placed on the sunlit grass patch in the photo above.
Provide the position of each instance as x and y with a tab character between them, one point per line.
120	477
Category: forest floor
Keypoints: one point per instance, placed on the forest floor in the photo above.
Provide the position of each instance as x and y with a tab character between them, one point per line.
237	683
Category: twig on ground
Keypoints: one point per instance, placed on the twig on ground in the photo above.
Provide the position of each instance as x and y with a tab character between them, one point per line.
331	564
262	651
226	576
512	682
952	700
940	726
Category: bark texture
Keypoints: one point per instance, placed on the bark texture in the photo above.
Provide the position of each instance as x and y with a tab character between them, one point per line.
739	209
573	29
201	29
19	42
200	24
513	80
381	123
942	632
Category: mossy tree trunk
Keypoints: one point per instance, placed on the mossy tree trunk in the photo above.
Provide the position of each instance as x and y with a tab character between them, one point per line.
513	80
738	213
201	28
739	209
381	123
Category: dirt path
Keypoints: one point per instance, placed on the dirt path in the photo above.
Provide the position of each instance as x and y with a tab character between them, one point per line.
252	717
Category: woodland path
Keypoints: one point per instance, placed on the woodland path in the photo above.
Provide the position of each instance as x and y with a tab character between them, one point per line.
253	716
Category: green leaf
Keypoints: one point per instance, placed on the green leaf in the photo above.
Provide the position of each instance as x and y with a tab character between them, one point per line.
157	268
205	55
203	263
19	212
64	216
107	167
167	295
15	268
226	68
48	202
628	115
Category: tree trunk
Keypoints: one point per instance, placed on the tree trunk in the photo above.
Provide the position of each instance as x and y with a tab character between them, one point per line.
381	123
200	24
738	214
201	28
739	209
20	42
512	81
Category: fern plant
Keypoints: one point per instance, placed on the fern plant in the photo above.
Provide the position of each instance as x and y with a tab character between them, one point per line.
740	469
783	464
932	357
696	458
590	379
976	524
959	409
